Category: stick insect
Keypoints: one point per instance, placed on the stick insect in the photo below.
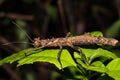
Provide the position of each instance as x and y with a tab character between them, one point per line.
72	42
69	41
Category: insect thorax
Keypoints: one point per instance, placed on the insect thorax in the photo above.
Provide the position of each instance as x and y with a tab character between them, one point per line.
37	42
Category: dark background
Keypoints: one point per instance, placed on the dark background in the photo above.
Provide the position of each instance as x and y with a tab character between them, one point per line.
48	19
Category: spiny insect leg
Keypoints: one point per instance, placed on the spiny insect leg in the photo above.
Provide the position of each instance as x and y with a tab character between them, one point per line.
31	49
75	48
26	51
38	48
59	55
83	57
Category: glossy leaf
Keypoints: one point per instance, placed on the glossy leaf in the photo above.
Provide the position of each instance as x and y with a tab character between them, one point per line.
14	57
98	69
114	64
114	29
91	54
88	52
101	69
50	56
98	64
102	53
96	33
115	74
114	69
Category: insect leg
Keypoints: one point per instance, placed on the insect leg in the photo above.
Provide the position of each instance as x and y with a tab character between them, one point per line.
74	48
58	56
31	49
26	51
83	57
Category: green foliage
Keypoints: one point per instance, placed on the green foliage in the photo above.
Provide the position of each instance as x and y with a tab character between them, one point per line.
29	57
95	53
15	57
96	33
52	11
92	54
93	62
114	69
114	29
49	56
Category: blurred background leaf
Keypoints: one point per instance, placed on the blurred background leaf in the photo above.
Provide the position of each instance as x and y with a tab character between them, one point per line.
114	29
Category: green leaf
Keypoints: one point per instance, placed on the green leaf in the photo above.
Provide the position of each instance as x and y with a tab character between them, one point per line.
88	52
114	74
49	56
114	69
114	64
114	29
14	57
102	53
98	69
96	34
81	63
91	54
98	64
52	11
101	68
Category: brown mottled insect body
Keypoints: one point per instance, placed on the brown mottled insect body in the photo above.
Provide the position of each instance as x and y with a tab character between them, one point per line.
76	40
71	42
51	42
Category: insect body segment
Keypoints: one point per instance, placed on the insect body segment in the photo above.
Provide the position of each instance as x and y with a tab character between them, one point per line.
71	42
51	42
36	42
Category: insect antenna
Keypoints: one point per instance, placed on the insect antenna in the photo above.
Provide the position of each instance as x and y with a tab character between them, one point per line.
23	31
8	43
